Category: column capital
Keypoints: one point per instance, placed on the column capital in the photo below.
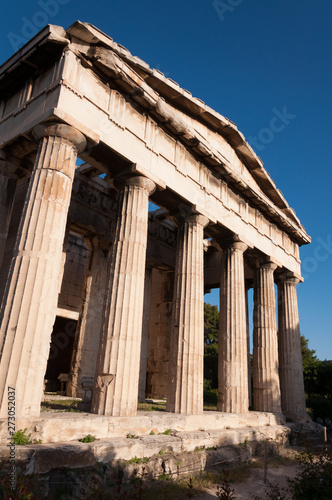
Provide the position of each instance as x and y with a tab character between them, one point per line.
186	213
266	263
233	242
199	219
289	277
62	130
136	181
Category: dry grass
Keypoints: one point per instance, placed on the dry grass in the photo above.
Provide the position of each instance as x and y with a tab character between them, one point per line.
60	405
158	406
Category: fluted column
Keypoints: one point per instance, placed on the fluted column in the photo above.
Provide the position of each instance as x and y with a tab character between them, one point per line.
8	181
233	351
117	375
30	298
185	373
90	323
265	353
290	353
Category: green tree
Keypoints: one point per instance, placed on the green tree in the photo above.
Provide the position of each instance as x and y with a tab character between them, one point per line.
211	326
310	366
317	382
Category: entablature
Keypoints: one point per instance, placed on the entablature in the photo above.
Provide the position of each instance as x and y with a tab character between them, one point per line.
132	129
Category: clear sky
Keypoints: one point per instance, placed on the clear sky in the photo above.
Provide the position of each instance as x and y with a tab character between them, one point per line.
249	60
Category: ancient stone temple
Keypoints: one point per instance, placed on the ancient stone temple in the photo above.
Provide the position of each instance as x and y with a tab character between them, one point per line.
118	287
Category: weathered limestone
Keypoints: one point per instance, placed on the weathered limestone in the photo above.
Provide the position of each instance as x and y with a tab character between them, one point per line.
29	305
159	333
90	323
117	375
185	393
143	130
233	394
290	355
266	387
145	334
8	181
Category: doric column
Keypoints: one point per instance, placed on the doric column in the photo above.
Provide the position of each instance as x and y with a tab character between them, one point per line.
233	351
185	386
30	298
265	353
8	180
116	389
90	323
290	353
145	334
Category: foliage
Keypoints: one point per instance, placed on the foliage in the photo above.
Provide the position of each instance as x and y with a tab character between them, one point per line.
210	395
310	364
211	324
211	364
317	374
88	439
313	481
26	487
136	460
224	490
20	437
315	478
317	382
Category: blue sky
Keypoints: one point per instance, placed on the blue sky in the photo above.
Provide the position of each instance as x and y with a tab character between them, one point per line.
249	60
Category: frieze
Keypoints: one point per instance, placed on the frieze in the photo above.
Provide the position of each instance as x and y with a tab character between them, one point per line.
88	194
162	232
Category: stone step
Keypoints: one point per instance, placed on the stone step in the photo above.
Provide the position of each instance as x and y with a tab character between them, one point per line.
42	458
53	427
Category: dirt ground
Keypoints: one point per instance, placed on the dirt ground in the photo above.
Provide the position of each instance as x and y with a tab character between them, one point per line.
254	485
